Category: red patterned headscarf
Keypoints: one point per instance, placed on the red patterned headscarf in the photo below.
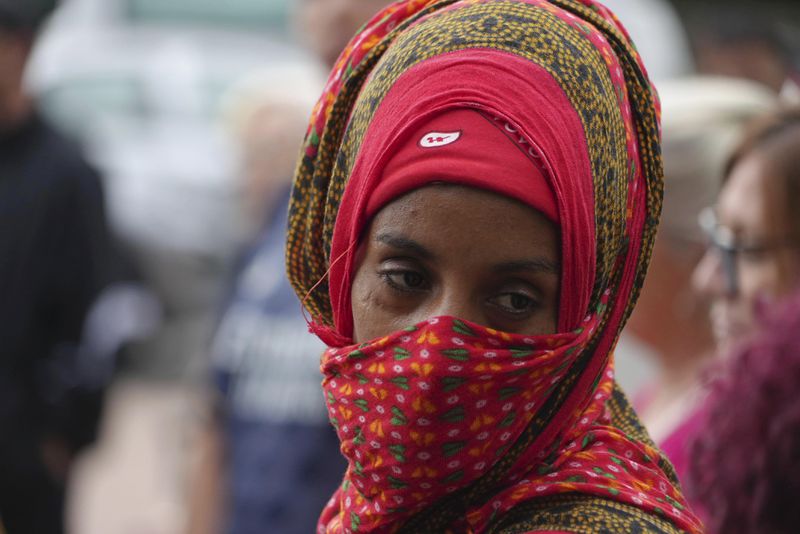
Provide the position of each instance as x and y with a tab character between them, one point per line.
448	424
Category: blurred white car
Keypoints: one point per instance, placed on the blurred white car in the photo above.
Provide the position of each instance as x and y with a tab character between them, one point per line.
140	81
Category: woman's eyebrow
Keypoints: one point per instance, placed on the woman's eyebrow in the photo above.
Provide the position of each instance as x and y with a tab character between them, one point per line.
536	265
406	244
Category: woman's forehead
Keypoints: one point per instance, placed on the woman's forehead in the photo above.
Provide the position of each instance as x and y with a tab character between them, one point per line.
465	221
746	202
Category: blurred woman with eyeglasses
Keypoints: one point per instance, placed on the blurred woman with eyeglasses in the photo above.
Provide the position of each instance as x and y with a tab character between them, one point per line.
703	120
745	461
754	229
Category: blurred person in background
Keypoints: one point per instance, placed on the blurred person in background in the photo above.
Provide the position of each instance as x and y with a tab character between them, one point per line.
54	261
271	440
703	118
745	470
271	460
753	261
326	26
748	42
651	23
753	228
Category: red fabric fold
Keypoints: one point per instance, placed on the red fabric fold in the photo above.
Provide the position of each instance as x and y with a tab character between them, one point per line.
466	147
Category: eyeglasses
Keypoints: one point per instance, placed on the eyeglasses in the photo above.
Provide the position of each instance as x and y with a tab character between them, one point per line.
730	247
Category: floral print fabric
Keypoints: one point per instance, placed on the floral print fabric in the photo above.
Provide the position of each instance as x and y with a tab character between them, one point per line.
430	409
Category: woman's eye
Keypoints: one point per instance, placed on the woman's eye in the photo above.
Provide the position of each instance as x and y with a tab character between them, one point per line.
515	303
755	255
405	280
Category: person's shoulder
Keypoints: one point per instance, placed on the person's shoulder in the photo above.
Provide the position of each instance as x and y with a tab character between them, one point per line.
65	167
62	150
581	514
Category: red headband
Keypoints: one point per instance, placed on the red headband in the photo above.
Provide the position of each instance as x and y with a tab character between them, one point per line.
466	147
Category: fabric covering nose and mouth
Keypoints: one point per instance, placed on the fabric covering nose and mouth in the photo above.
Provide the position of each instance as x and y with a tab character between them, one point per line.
563	76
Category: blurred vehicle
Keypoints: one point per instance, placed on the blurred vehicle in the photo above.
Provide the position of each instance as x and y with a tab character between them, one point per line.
141	83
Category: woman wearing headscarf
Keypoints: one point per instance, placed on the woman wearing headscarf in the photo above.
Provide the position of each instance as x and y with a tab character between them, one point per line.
470	225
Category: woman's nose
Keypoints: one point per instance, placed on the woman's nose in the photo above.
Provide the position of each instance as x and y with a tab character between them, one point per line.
708	277
457	303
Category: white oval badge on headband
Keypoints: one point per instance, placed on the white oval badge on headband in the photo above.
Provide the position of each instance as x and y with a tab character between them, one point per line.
437	139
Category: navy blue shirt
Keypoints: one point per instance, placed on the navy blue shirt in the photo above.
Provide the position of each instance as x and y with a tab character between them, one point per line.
283	455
